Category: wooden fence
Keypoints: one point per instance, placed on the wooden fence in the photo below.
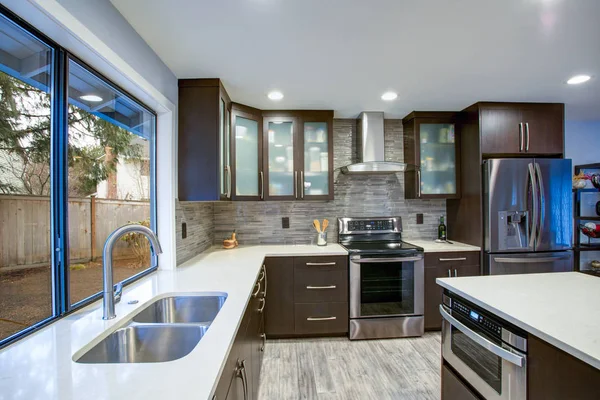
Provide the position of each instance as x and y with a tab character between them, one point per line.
25	228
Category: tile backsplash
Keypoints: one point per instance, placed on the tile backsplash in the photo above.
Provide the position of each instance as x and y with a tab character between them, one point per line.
259	222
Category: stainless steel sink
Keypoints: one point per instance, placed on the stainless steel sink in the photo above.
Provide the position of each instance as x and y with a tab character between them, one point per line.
145	344
182	310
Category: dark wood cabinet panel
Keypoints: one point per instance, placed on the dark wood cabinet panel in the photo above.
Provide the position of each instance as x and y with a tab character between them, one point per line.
279	309
444	265
544	128
322	263
453	388
501	132
321	318
318	286
553	374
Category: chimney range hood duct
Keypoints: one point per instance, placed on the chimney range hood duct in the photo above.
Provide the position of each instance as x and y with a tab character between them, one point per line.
370	143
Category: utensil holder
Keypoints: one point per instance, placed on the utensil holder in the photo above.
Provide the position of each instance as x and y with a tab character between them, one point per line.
322	239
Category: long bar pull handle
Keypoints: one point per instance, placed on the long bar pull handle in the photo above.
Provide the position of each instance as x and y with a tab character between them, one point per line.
265	277
527	135
262	185
455	273
263	336
529	260
482	341
453	259
296	183
520	136
302	185
245	381
320	264
534	195
542	203
449	274
321	318
262	308
359	260
321	287
419	183
254	294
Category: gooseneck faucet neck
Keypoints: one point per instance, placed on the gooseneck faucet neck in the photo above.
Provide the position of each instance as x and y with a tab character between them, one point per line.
111	241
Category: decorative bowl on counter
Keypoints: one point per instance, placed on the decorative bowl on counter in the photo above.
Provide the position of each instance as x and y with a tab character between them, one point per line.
595	264
590	230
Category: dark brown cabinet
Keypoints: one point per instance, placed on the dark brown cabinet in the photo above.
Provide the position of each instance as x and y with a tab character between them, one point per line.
444	265
203	140
241	374
432	143
306	296
453	388
509	129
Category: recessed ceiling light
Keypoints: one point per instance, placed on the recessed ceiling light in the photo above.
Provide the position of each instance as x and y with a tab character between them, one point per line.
389	96
91	98
275	95
577	79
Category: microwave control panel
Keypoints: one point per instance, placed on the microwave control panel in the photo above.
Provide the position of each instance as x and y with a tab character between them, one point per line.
476	317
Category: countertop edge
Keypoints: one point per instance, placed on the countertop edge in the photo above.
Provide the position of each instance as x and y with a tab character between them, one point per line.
594	362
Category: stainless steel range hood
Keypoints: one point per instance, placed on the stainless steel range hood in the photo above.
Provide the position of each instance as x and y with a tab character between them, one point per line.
370	143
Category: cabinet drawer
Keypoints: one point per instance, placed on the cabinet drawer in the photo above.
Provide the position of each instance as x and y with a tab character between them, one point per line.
321	318
452	258
317	286
322	263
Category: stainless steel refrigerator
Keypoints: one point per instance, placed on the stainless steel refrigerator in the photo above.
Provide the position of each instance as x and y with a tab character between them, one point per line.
528	216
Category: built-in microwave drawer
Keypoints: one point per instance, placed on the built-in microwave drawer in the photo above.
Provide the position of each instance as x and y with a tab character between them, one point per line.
317	286
321	263
321	318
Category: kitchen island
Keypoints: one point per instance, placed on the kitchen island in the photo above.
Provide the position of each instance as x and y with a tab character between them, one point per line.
560	317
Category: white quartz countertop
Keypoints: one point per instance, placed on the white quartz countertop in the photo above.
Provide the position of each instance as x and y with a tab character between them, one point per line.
431	246
40	366
562	308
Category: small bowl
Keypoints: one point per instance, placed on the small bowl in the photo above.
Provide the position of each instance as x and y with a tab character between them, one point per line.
592	233
596	181
595	264
579	184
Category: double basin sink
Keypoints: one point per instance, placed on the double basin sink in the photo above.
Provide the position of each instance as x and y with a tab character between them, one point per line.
165	330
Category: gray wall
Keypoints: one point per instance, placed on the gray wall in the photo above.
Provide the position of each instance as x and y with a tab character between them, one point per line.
360	196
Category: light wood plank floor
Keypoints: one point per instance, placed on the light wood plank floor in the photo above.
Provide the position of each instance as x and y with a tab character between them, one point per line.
336	368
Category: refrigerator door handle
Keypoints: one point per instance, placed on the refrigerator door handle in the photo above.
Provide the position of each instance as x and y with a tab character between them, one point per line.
534	195
530	260
541	204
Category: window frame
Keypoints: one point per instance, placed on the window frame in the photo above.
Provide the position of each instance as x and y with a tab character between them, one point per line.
59	217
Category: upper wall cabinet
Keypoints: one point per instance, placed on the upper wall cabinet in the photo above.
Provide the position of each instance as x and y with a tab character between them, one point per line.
521	129
248	180
431	142
204	156
298	148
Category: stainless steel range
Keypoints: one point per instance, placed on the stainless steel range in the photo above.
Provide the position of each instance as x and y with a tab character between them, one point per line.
386	279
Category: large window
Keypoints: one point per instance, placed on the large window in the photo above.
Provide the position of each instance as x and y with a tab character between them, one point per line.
76	161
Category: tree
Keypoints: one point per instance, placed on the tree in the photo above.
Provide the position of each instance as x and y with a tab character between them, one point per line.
25	143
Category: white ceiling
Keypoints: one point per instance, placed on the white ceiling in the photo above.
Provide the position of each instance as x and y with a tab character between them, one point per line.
343	54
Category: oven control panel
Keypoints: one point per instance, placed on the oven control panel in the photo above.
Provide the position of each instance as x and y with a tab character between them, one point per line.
476	317
371	225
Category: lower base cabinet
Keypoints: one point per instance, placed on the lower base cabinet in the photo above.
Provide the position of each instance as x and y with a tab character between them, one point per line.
241	374
453	388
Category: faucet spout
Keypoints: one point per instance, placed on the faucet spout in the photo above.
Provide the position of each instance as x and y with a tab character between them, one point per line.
109	295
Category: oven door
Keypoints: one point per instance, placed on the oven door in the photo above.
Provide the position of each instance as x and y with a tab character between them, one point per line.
384	286
494	369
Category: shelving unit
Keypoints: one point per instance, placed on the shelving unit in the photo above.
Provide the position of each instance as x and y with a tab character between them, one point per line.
580	247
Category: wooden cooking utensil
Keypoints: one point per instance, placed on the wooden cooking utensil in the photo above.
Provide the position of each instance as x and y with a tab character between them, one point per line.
317	225
325	224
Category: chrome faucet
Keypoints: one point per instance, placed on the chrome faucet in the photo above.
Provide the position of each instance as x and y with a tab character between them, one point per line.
113	295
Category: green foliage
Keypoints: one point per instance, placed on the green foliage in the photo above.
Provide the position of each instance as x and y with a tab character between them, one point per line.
138	243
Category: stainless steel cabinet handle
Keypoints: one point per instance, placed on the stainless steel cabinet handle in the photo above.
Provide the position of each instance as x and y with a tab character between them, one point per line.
321	318
527	134
321	287
449	274
262	276
453	259
296	183
265	272
263	336
262	308
302	184
455	273
480	340
245	380
321	264
229	184
359	260
254	294
520	136
419	183
262	185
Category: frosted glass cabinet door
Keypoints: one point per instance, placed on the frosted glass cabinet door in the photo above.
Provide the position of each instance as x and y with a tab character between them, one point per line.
280	149
246	157
316	159
438	159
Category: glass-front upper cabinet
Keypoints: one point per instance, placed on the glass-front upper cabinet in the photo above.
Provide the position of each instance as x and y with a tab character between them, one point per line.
431	143
281	174
316	175
247	178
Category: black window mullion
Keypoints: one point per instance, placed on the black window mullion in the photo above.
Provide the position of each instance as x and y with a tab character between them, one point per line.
59	194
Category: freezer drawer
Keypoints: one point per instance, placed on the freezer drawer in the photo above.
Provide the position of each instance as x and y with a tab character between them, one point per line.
528	263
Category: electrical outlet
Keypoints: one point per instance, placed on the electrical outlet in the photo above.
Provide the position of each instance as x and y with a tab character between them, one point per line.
183	230
419	219
285	222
